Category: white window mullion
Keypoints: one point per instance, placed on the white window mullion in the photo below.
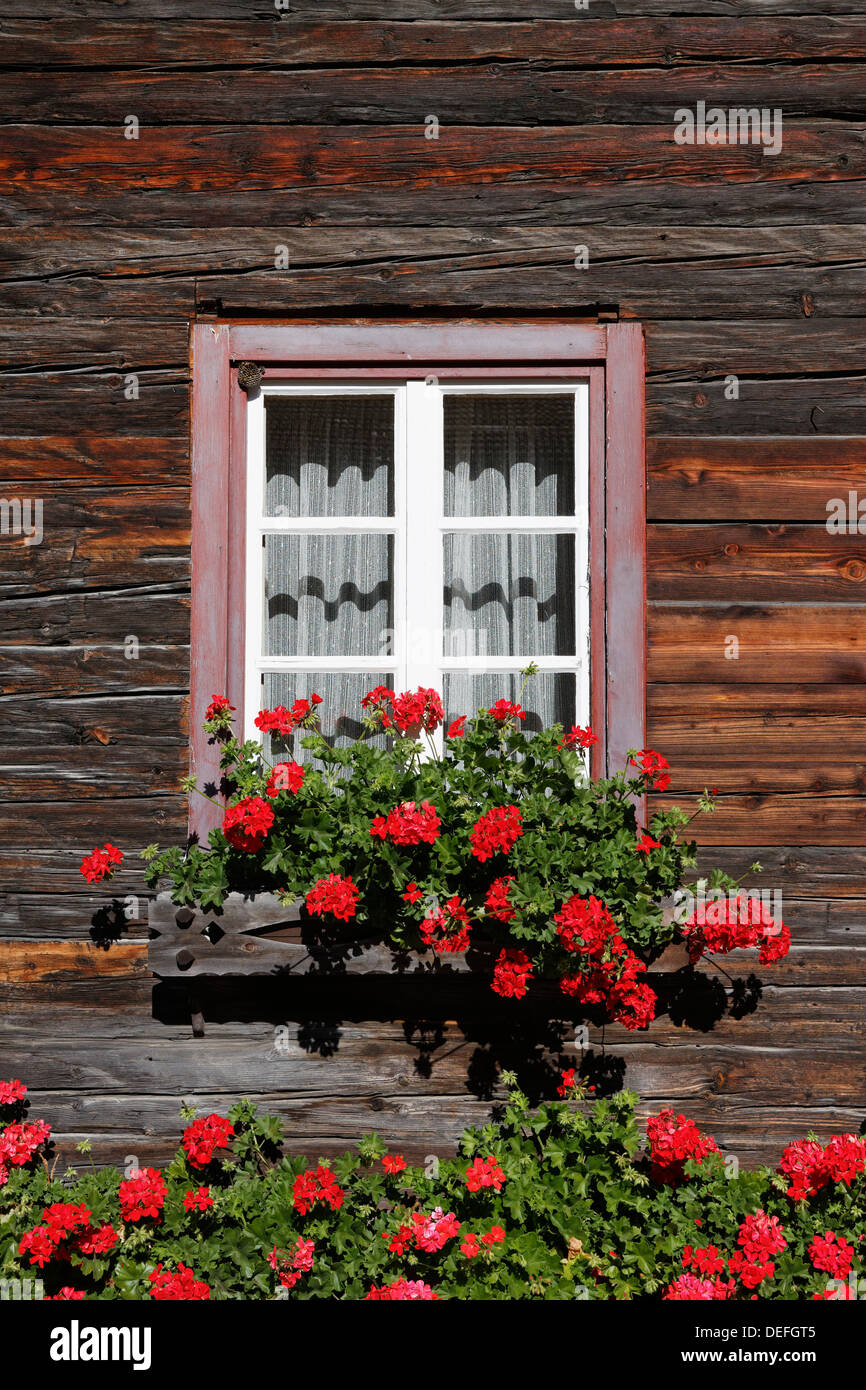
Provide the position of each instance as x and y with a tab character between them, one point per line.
424	578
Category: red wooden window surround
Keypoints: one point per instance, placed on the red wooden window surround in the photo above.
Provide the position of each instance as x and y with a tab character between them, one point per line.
609	356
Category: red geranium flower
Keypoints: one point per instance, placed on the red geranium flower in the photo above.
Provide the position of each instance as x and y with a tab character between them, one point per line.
285	777
511	974
335	895
101	863
484	1172
198	1199
247	823
205	1134
182	1285
496	832
578	738
654	768
504	710
408	824
143	1195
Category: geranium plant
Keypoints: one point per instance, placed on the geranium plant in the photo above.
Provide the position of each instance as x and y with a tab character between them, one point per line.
567	1201
497	838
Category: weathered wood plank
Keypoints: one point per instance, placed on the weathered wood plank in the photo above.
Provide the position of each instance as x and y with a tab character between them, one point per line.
94	771
118	344
581	40
460	95
780	818
750	479
198	158
802	755
100	538
526	200
154	614
754	707
750	564
93	670
24	962
110	461
78	401
131	821
59	723
805	405
822	644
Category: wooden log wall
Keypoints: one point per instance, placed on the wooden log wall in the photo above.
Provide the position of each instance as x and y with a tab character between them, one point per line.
305	128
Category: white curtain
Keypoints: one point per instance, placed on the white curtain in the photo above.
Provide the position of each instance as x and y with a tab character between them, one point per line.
330	456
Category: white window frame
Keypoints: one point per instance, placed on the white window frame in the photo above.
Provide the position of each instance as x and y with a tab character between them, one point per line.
418	526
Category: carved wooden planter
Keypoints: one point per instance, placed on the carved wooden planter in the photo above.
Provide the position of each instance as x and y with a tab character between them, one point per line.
259	936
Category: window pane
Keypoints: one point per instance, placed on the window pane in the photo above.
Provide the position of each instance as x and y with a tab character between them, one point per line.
509	455
509	594
329	456
339	713
549	697
328	595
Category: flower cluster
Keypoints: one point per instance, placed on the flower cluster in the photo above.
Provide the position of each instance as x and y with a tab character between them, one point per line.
19	1143
471	1244
218	716
654	768
403	1291
143	1195
289	1266
511	973
285	777
607	969
11	1092
409	712
484	1172
316	1186
198	1199
497	832
447	928
335	895
832	1254
284	721
496	900
182	1284
66	1229
673	1139
811	1166
433	1232
732	924
206	1133
578	738
101	863
247	823
505	710
408	824
759	1237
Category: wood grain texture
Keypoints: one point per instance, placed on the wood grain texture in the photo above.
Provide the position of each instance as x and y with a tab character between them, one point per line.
305	129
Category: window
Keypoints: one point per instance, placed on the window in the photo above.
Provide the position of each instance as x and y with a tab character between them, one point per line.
418	503
420	533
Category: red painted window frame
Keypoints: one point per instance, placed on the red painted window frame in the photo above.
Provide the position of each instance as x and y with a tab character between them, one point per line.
610	356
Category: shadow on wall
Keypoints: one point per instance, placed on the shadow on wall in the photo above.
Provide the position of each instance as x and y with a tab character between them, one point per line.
454	1025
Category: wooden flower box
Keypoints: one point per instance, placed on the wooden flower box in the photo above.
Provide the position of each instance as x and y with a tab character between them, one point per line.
259	936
